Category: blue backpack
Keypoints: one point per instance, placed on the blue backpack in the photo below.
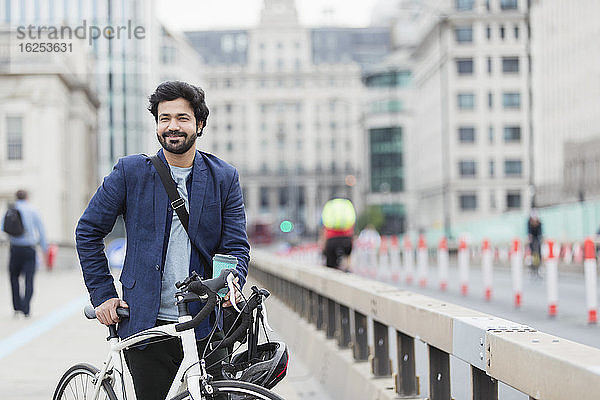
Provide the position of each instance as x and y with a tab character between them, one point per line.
13	224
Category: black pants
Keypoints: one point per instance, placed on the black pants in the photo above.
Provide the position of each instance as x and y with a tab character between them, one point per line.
22	262
335	249
153	368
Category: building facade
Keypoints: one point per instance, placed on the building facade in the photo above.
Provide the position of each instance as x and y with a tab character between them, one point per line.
48	136
286	109
566	96
122	64
472	112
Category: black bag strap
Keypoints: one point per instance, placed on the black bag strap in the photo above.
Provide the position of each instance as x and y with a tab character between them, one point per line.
178	205
177	202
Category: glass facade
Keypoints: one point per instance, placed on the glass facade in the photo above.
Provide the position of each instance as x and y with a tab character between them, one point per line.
389	79
386	159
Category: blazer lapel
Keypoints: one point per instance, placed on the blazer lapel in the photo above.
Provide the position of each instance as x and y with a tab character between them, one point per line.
161	200
199	179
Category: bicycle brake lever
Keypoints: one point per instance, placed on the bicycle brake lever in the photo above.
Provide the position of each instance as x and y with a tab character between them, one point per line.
231	286
265	319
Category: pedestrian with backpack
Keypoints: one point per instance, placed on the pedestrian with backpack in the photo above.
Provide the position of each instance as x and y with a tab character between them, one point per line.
24	226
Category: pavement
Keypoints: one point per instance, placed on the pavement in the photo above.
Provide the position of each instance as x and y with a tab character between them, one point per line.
36	351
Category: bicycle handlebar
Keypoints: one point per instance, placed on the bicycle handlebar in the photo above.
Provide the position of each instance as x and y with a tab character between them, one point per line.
90	312
208	287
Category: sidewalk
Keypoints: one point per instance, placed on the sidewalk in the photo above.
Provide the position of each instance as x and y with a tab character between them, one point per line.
35	352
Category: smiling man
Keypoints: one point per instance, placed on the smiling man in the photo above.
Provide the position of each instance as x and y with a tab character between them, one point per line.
159	250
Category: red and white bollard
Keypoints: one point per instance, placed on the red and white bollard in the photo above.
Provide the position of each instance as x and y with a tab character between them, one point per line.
578	256
487	268
395	259
516	268
443	263
463	266
409	260
589	270
422	264
383	266
552	279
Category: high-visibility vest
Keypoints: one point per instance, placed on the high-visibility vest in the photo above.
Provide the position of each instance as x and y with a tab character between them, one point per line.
338	214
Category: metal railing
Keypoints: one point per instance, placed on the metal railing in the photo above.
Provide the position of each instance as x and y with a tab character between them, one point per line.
540	365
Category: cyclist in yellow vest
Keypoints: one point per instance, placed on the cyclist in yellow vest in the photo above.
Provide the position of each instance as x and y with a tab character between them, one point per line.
338	219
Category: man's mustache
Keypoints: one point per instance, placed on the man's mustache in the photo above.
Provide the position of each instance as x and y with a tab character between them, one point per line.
174	134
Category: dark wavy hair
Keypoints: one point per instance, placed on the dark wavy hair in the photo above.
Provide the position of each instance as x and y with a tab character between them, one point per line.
172	90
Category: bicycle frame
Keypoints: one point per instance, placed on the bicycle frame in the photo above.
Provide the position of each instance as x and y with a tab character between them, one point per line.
191	368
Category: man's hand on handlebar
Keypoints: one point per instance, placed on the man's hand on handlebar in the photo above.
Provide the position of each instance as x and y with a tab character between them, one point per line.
107	311
238	294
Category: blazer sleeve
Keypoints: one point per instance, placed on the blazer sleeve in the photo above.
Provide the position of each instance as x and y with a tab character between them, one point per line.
96	222
234	240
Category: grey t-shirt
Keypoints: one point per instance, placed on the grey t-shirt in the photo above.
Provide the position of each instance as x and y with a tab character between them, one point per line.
177	260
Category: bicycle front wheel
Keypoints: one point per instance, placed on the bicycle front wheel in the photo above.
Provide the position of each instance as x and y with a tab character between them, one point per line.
234	390
78	383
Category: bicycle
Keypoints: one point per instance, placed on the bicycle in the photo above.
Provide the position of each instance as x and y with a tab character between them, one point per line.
192	381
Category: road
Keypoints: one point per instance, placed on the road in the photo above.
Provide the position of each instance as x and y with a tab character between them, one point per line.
570	322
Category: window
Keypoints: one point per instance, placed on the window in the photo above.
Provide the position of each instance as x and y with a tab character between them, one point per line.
511	100
264	193
490	100
516	31
502	32
510	65
464	66
464	5
491	134
509	4
488	32
492	166
284	196
487	5
468	201
513	168
14	138
467	168
386	151
389	79
466	134
512	133
513	200
489	65
464	34
466	101
492	200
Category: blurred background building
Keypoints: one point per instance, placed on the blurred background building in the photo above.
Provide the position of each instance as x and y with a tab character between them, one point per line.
440	113
287	109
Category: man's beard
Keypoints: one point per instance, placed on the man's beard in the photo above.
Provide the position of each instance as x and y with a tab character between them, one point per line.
177	148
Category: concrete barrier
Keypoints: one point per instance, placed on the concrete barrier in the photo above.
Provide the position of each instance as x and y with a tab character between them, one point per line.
338	305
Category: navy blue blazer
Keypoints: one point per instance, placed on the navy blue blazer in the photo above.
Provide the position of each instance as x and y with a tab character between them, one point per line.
134	189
